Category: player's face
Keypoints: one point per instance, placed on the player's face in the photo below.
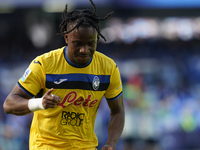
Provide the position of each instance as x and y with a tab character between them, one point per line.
82	44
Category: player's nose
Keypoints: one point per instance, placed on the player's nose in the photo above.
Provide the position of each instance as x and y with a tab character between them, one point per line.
84	49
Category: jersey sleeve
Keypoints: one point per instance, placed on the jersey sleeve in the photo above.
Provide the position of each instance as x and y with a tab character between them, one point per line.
33	79
115	88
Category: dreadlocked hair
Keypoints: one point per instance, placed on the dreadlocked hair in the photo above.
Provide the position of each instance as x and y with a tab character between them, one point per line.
82	17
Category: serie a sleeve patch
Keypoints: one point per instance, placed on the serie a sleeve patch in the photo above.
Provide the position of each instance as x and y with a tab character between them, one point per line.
27	72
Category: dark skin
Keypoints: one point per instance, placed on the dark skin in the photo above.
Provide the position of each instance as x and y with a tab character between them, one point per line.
82	44
16	102
116	123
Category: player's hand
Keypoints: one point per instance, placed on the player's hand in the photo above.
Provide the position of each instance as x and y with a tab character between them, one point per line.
50	100
108	147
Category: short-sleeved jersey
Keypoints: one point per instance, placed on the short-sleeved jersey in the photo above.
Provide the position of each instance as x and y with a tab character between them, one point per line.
70	125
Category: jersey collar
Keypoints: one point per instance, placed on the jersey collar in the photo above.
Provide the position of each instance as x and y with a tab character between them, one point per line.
73	64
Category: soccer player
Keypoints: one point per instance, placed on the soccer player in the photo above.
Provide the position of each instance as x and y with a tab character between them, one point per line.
64	88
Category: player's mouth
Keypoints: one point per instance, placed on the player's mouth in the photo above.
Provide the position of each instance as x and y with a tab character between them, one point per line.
83	55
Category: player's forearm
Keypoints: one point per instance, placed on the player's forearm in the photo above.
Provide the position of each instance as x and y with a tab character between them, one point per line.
115	127
16	105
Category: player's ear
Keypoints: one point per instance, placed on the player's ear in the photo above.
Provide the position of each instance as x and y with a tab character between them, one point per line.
66	38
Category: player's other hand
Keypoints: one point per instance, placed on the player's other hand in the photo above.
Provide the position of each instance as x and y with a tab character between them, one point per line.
108	147
50	100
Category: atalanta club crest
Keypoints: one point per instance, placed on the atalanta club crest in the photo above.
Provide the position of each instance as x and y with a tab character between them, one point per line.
95	82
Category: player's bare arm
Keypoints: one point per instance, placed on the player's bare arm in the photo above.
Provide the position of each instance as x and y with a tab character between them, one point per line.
116	123
17	101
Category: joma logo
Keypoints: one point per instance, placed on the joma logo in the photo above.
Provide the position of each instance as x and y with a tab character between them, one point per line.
71	97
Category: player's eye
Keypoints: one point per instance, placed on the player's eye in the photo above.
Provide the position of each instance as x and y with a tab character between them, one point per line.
76	43
91	43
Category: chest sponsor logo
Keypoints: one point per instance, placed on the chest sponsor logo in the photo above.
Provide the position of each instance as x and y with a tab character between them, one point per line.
72	118
71	98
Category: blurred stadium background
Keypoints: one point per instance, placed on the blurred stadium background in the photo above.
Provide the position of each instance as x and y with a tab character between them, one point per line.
156	45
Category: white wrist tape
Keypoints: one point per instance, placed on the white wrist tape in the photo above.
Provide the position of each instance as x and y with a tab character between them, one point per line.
35	104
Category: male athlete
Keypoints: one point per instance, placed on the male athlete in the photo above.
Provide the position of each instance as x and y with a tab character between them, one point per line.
64	88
